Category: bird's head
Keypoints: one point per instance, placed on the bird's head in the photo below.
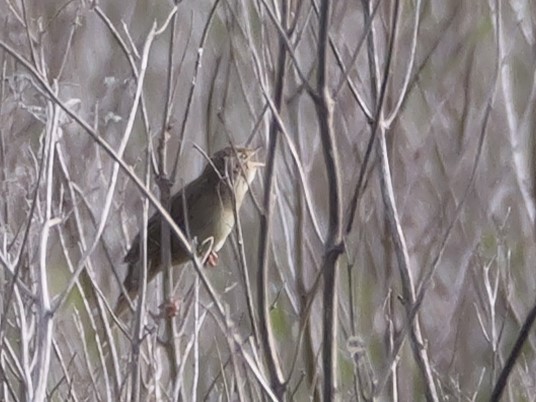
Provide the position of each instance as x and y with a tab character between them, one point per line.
237	166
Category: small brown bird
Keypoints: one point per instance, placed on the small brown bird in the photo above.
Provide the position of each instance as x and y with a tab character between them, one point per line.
209	201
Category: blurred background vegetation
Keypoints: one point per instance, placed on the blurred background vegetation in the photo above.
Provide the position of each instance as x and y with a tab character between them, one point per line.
458	116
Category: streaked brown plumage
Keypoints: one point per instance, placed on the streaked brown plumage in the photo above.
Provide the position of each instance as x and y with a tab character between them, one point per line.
209	202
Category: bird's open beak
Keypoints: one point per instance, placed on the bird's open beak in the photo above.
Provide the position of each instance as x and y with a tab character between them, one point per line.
255	163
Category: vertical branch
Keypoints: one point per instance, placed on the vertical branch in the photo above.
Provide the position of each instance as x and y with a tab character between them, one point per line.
164	181
371	51
393	220
44	321
189	100
245	277
267	337
403	262
140	313
164	185
333	247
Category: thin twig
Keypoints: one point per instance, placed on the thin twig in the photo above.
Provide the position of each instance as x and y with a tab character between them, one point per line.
333	245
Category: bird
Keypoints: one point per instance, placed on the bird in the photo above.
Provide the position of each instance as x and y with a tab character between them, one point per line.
209	202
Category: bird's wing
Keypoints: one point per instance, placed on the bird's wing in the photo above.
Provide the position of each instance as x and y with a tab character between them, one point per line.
193	191
153	236
188	198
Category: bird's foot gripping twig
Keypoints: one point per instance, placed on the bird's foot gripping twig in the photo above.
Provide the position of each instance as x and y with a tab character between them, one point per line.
170	308
206	250
213	259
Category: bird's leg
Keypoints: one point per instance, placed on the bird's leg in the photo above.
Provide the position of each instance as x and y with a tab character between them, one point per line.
170	308
213	258
209	256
